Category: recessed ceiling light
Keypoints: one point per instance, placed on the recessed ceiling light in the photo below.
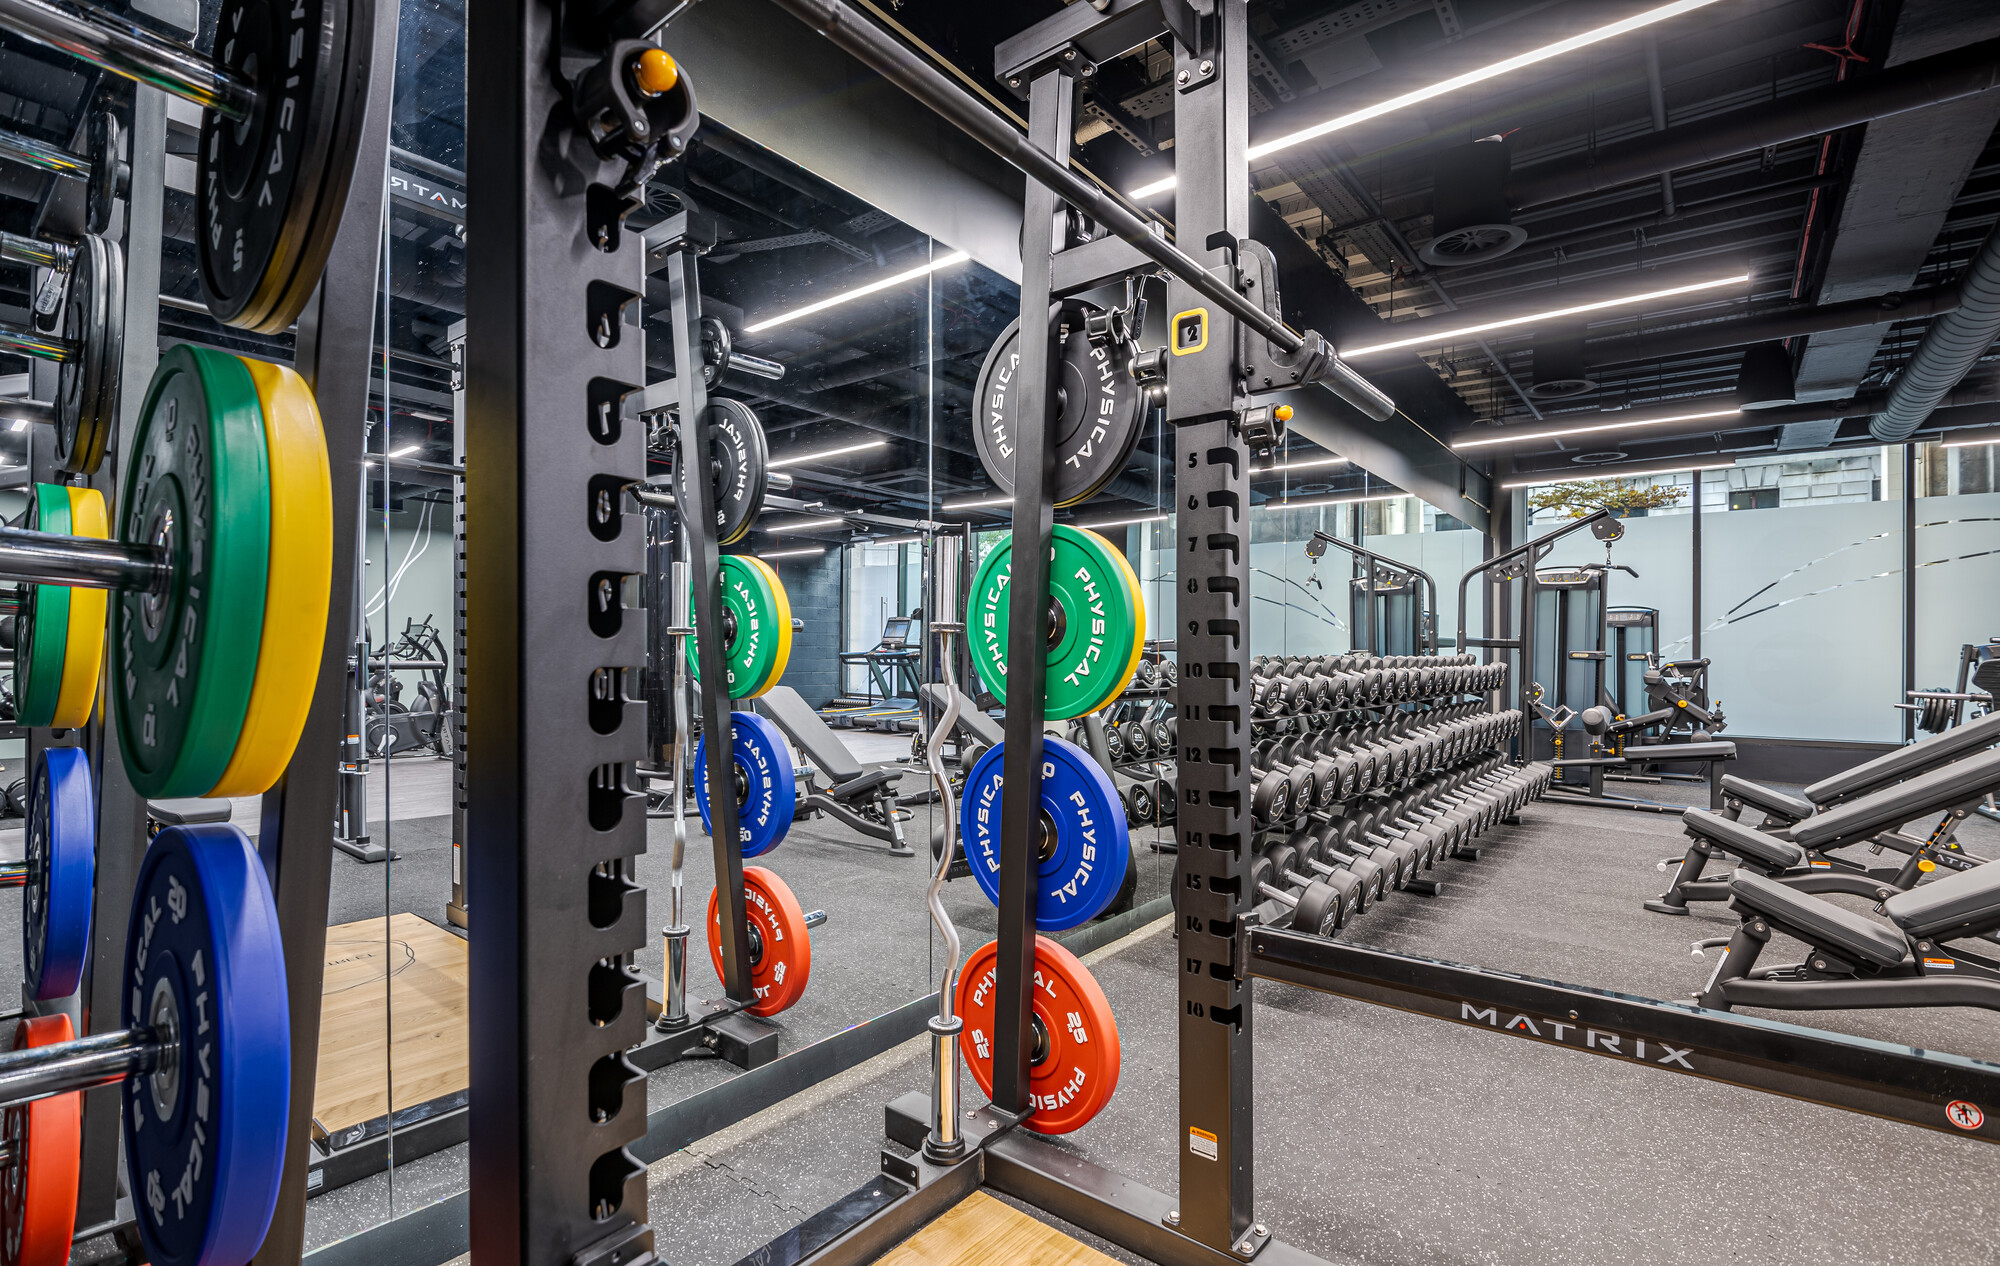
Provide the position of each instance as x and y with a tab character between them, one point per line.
1343	501
977	505
804	525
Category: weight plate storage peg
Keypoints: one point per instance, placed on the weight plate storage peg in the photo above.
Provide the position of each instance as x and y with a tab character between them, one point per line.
271	184
1095	619
766	786
1073	1057
756	627
42	624
62	860
1101	406
38	1191
198	490
780	949
739	464
205	981
1082	842
94	329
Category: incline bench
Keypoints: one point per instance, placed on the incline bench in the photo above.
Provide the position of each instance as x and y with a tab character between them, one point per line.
1856	961
1781	810
863	798
1798	857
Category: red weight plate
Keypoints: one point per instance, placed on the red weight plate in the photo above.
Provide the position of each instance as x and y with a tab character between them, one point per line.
781	952
38	1192
1075	1075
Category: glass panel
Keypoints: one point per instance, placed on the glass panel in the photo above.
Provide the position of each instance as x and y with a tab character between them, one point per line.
1803	588
1958	575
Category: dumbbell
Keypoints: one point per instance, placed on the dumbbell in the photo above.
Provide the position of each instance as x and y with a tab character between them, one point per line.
1138	740
1140	807
1317	908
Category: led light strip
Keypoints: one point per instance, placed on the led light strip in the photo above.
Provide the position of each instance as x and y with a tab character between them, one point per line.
1522	437
1440	337
947	261
1344	501
825	453
793	553
1150	518
1975	438
1617	472
804	525
1521	61
977	505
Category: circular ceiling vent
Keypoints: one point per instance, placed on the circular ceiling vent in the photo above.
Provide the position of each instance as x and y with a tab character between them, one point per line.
1562	388
1598	458
1471	244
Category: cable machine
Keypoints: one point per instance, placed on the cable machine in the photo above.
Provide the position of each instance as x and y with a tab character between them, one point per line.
1394	602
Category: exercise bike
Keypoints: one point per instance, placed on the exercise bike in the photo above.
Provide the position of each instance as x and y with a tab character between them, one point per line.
395	728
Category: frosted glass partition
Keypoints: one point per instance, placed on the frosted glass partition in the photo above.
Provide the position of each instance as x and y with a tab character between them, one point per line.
1958	580
1802	612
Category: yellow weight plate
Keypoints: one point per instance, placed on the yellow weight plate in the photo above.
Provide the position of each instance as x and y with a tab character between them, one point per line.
296	592
1139	626
83	652
783	607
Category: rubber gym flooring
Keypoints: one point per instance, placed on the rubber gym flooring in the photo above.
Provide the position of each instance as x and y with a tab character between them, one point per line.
1392	1138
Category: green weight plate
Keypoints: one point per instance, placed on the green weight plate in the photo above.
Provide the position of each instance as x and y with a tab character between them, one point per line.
198	486
1093	622
756	628
43	625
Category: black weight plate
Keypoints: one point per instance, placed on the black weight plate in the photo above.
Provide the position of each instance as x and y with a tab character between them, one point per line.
270	191
715	348
739	468
107	166
1102	408
87	385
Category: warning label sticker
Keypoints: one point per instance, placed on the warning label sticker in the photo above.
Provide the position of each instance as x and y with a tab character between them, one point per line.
1964	1115
1202	1143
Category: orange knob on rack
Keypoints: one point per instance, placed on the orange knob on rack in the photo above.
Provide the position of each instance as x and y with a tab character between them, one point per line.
654	72
1283	413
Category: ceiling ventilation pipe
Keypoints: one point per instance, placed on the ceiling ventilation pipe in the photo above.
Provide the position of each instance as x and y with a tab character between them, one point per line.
1948	350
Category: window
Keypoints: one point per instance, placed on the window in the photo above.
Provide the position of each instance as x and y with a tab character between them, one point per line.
1754	499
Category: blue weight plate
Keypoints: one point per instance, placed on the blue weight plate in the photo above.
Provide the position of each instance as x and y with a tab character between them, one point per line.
1085	845
62	864
767	789
205	969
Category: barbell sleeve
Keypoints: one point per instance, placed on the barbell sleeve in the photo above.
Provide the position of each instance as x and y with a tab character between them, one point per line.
125	48
26	250
86	562
41	1072
41	155
26	342
21	409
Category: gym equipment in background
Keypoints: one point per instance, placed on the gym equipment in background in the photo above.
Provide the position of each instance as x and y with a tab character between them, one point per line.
395	727
893	665
861	797
1394	602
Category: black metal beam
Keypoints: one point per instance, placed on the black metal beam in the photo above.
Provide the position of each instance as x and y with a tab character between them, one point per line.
1881	1079
553	824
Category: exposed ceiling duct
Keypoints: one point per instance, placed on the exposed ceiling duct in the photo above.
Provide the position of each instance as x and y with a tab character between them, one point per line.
1911	86
1950	348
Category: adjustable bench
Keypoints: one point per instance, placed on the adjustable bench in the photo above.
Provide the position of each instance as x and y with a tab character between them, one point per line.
973	724
1799	857
863	798
1856	961
1781	810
